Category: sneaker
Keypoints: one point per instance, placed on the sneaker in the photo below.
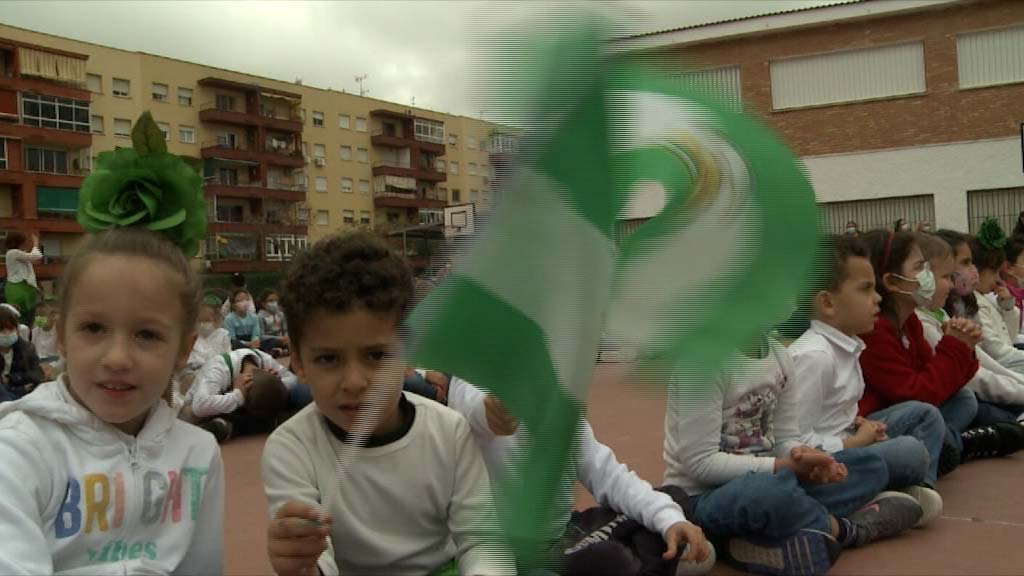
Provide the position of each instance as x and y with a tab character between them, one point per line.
999	439
276	353
696	568
219	427
884	517
949	458
806	553
928	499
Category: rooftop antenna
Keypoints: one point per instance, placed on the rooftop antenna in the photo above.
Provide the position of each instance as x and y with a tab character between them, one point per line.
413	100
359	80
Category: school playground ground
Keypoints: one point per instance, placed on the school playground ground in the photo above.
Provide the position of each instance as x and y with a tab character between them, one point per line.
981	531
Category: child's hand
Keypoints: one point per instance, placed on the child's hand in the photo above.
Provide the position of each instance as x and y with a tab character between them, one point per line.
295	539
682	533
963	330
243	382
868	432
1002	292
255	343
498	419
813	466
440	383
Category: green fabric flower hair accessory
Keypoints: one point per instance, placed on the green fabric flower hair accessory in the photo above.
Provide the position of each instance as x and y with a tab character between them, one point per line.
145	186
991	235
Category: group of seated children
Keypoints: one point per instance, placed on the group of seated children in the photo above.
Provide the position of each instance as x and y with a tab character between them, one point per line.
28	357
780	460
266	329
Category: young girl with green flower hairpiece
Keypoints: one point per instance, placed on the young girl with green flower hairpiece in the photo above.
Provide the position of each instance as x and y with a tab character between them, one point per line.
99	475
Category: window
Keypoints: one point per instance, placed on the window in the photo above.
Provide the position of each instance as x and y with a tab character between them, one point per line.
97	124
94	82
320	151
344	121
486	194
348	217
318	119
848	76
472	168
3	154
227	176
429	130
227	140
453	139
723	82
159	92
991	57
360	124
364	186
474	196
439	165
187	134
166	129
230	213
122	127
456	195
346	152
321	184
302	215
184	96
362	155
46	160
346	185
53	112
302	114
225	102
322	218
470	142
364	217
121	87
453	167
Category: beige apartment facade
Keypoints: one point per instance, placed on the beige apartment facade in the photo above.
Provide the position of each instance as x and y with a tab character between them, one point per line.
284	164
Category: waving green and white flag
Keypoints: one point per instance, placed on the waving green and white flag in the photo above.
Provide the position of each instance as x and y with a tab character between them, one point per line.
522	314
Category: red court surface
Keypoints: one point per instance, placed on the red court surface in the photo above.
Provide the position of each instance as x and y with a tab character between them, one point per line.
981	531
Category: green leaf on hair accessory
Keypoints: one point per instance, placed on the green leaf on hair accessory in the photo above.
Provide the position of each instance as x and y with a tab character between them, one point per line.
991	235
147	187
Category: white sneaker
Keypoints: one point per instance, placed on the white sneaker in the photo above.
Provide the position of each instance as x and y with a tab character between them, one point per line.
697	568
929	500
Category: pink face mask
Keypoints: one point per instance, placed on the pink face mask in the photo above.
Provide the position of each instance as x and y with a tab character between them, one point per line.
965	282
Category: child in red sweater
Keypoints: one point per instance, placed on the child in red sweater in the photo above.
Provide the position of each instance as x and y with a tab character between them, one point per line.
899	364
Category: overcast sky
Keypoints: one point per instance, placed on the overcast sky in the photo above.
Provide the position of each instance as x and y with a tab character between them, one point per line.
409	50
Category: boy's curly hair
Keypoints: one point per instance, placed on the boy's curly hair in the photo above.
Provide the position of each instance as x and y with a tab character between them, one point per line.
340	273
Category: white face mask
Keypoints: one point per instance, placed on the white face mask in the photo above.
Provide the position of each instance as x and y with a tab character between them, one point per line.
272	307
7	339
205	328
925	286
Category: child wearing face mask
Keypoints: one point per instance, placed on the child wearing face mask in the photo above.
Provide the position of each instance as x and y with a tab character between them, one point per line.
900	365
1013	277
212	339
44	339
20	372
273	325
242	324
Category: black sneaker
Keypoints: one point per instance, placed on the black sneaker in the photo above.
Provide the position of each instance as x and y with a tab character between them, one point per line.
219	427
806	553
884	517
999	439
949	458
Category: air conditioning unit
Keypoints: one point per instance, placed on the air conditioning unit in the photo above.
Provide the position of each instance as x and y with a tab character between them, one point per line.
320	161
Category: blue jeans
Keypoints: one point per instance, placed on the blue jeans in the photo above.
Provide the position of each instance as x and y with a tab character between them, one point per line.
958	412
911	419
299	396
774	507
989	413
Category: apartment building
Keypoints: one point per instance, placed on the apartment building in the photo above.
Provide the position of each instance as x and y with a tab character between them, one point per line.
911	109
284	164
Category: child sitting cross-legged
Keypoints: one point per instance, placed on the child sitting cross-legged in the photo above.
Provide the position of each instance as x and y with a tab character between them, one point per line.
769	503
20	371
829	381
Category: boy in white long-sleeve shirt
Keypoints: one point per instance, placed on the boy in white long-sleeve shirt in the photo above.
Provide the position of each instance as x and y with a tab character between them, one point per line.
648	524
415	496
769	503
829	382
225	385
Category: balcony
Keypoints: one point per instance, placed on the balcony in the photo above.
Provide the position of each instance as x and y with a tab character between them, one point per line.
251	252
379	138
288	156
70	139
409	199
272	190
429	174
210	112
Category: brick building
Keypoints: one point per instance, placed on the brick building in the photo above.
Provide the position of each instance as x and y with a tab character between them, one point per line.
911	109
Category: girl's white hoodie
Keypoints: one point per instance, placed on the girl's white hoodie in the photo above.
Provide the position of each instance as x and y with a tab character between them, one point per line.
78	496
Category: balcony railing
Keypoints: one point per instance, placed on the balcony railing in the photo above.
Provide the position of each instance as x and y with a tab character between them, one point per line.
291	187
410	195
221	144
271	114
380	132
217	181
216	106
288	149
392	164
233	246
